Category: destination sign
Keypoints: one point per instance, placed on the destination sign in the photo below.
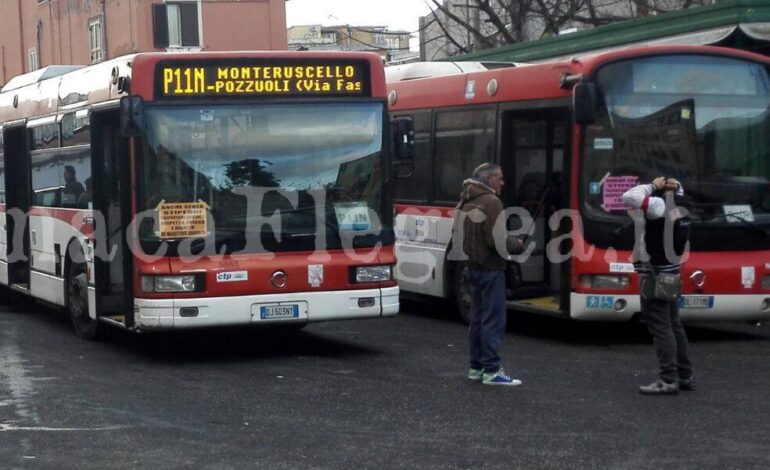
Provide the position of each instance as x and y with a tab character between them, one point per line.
239	78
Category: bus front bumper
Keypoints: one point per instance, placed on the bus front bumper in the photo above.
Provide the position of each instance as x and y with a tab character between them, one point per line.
623	307
166	314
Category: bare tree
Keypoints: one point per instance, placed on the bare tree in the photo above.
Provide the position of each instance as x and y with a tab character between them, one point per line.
470	25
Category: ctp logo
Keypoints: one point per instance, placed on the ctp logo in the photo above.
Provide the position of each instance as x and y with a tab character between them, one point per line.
232	276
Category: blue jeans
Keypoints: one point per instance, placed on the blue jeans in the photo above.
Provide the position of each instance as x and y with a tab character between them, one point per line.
487	327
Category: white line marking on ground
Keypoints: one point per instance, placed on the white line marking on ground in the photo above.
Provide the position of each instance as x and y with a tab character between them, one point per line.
5	427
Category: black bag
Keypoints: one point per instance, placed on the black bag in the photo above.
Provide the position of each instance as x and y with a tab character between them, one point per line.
661	286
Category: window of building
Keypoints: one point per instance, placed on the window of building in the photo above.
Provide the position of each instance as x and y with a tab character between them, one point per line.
95	40
34	62
175	24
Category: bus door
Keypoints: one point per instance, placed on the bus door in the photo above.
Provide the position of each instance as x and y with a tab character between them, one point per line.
112	199
534	161
18	191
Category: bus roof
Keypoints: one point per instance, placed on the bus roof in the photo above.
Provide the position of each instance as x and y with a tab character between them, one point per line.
415	70
55	88
38	75
532	82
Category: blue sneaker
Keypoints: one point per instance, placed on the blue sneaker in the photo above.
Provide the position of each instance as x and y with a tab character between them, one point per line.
499	378
475	374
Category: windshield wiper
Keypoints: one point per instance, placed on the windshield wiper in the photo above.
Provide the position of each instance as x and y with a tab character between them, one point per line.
736	215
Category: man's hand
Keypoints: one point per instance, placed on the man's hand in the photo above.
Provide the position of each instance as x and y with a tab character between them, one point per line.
514	245
671	184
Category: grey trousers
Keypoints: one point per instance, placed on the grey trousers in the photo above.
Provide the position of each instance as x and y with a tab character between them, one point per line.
669	337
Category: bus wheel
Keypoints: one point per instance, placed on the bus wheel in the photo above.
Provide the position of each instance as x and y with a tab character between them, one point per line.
77	302
462	294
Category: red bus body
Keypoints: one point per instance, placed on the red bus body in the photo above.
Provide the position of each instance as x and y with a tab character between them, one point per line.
516	107
41	120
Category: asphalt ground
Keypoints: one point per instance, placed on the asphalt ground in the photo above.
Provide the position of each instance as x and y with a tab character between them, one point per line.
380	394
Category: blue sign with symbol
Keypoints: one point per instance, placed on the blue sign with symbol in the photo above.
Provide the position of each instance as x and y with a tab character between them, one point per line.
595	188
599	301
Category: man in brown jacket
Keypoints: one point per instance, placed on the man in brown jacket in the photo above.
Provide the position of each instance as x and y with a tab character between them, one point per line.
477	219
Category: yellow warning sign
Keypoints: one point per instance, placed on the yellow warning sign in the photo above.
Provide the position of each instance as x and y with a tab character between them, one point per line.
182	219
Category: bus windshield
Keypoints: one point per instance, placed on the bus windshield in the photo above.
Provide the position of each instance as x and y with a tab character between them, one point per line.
315	164
701	119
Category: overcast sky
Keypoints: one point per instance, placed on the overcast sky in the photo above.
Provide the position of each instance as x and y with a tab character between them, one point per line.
397	14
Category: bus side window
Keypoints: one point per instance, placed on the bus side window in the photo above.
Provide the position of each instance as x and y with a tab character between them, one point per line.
75	160
464	140
45	178
416	188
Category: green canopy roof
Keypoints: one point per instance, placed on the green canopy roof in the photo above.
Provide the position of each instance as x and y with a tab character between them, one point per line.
743	24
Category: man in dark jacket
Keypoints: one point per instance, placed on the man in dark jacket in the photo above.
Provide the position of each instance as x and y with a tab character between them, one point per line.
478	220
665	208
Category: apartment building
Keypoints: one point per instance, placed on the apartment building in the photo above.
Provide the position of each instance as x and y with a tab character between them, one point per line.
390	45
38	33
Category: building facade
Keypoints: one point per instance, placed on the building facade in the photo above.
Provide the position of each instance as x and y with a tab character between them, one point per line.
390	45
37	33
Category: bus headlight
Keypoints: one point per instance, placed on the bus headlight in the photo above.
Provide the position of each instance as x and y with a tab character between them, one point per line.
373	273
185	283
605	281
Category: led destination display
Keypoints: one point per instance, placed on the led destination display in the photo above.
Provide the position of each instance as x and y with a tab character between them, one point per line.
261	78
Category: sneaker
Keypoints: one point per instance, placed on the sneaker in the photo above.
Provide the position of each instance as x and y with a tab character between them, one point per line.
499	378
659	387
475	374
688	385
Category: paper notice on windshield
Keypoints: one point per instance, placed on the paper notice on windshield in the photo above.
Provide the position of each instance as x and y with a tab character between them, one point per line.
738	213
182	219
613	189
352	215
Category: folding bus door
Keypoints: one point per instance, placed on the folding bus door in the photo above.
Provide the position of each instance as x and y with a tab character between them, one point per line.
17	204
533	148
112	208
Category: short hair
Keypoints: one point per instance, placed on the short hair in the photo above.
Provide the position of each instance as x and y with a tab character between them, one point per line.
69	168
485	170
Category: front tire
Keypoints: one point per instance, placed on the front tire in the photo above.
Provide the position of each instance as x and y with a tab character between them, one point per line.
77	302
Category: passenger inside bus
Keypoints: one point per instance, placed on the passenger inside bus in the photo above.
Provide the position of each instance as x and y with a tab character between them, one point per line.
86	198
72	187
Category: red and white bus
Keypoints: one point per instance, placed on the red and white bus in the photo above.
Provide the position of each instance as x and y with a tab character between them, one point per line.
168	191
571	137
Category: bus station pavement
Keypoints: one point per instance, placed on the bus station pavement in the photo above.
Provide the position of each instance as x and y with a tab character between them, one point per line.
380	394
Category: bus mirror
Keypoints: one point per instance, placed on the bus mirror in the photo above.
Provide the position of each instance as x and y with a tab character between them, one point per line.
403	138
584	103
131	116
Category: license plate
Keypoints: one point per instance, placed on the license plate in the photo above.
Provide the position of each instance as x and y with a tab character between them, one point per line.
696	301
272	312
